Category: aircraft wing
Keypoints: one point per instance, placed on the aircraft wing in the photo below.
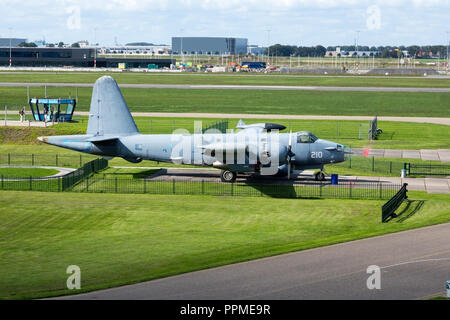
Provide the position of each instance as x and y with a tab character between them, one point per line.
224	146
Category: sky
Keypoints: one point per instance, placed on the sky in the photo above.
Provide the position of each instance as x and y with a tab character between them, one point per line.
262	22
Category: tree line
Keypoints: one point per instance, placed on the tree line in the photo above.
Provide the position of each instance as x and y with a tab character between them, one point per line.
380	51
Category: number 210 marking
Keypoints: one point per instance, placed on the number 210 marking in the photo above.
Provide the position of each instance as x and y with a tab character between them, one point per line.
316	154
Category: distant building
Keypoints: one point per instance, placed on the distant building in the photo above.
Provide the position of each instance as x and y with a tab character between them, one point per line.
137	49
209	45
5	42
83	43
256	50
349	54
73	57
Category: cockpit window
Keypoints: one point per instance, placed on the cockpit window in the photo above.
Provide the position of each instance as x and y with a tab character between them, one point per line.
306	137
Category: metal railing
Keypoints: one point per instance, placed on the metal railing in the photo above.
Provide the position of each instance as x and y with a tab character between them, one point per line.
106	183
52	184
71	179
388	209
427	169
53	160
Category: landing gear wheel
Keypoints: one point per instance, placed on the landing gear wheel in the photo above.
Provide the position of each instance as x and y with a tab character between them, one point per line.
228	176
319	176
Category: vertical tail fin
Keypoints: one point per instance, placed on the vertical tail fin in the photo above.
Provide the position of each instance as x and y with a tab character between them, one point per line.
109	113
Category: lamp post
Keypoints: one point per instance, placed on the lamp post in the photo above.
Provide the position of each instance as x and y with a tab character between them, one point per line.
10	55
268	44
448	43
95	48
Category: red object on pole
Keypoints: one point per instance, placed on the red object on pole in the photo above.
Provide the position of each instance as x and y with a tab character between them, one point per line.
95	63
366	152
10	61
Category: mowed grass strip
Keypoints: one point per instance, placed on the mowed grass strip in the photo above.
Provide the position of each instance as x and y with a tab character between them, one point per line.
228	79
120	239
254	101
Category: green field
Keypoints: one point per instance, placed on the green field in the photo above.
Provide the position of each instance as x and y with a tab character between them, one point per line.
26	172
228	79
291	102
120	239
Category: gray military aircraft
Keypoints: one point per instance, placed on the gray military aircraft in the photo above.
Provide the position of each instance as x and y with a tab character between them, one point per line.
254	149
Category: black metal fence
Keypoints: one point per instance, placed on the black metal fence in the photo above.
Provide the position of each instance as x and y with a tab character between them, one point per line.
389	207
71	179
372	164
54	160
108	184
56	184
427	169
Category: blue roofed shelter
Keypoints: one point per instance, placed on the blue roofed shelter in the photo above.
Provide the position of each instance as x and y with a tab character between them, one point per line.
50	110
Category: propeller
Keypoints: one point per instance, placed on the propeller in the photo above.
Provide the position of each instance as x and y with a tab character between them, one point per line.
289	155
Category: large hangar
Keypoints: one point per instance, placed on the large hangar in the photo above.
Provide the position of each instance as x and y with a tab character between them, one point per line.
75	57
209	45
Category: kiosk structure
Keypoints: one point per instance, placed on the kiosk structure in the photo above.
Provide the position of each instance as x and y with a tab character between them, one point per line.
50	110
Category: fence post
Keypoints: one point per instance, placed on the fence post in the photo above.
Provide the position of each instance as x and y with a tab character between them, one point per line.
31	183
373	163
32	159
351	189
80	161
173	186
203	186
2	182
390	166
56	158
87	183
59	184
9	159
115	185
350	161
381	191
320	188
232	188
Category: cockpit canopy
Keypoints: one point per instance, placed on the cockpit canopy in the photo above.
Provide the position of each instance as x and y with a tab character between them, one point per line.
306	137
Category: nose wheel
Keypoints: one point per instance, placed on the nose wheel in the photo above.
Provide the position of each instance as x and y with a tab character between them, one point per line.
227	176
319	176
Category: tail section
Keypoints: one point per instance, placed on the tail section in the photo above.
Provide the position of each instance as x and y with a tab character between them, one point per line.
109	113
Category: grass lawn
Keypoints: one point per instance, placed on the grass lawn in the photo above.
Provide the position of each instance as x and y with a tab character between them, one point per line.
254	101
120	239
26	172
228	79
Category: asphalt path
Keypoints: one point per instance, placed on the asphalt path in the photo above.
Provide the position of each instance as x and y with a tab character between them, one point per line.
413	265
230	87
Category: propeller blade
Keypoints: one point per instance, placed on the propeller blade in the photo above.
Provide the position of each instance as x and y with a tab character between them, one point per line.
289	169
290	140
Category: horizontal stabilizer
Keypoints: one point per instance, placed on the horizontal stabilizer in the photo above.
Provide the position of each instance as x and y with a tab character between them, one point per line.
102	139
260	126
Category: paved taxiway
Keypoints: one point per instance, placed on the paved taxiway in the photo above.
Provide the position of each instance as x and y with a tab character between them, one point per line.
414	264
229	87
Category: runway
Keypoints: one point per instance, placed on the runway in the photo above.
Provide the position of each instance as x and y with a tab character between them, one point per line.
414	265
231	87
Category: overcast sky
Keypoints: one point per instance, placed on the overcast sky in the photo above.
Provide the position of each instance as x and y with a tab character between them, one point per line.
296	22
